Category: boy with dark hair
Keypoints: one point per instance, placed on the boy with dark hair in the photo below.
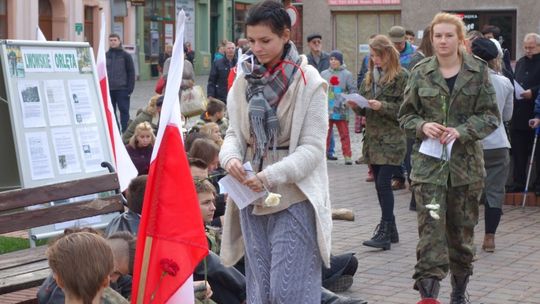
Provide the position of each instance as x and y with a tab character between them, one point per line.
215	112
129	220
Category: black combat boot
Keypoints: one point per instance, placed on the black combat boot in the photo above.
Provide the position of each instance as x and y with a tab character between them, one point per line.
428	288
381	237
394	236
459	286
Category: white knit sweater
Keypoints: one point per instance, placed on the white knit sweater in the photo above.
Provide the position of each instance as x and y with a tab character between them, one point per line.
305	165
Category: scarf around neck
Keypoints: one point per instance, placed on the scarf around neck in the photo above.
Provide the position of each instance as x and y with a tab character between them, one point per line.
264	91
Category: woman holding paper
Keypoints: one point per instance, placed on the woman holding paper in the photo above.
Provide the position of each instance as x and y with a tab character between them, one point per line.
384	142
449	101
277	110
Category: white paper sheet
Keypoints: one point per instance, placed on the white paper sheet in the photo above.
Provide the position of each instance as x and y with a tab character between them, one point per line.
79	94
518	90
91	150
434	148
39	157
67	160
57	106
31	104
242	195
358	99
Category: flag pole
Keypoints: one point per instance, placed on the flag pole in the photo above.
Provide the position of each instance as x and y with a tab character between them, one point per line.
144	269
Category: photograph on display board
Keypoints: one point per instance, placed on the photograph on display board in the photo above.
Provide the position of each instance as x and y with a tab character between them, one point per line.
79	93
84	60
16	66
65	149
31	104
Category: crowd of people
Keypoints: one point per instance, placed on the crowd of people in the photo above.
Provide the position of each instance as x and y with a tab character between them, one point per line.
442	116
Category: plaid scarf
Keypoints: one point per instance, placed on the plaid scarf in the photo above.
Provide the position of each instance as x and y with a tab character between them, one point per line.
264	91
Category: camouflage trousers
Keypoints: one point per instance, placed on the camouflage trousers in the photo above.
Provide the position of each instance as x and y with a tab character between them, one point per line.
447	243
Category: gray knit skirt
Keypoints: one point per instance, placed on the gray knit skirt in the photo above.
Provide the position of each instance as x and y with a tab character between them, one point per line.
283	263
497	164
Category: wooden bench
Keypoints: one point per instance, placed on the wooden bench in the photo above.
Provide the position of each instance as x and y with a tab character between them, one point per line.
28	268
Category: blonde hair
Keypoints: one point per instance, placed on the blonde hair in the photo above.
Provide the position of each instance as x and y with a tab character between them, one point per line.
383	47
142	127
82	262
451	19
204	186
207	129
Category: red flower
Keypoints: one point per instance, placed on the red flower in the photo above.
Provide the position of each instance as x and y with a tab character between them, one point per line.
334	80
169	266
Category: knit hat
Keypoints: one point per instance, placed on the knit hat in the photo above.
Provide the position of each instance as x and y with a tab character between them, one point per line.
498	45
484	48
396	34
313	36
338	55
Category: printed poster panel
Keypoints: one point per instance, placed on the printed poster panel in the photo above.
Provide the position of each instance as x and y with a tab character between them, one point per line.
90	147
79	94
44	60
37	60
39	156
65	150
57	106
31	104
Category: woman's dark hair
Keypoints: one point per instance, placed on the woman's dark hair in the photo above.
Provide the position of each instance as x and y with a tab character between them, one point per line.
425	45
270	13
204	149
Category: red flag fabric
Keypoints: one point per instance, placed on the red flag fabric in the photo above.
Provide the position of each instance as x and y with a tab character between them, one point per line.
125	169
171	240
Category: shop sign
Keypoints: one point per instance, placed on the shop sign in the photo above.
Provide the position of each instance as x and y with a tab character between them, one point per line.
364	2
137	2
78	28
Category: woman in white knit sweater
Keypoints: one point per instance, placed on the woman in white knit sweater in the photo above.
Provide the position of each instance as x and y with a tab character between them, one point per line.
278	122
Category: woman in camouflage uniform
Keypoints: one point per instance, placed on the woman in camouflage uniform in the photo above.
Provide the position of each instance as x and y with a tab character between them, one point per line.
384	142
450	104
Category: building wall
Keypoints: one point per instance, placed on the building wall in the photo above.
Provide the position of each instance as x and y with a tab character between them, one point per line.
527	13
346	27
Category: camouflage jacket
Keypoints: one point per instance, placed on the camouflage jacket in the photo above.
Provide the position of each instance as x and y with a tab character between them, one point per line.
472	110
384	141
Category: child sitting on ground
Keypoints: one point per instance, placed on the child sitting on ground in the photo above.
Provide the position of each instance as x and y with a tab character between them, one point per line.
81	263
140	147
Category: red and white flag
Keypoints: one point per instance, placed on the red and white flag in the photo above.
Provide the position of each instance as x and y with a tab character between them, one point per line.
125	169
171	239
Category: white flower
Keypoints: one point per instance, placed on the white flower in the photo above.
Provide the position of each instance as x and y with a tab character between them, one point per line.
433	207
272	199
434	214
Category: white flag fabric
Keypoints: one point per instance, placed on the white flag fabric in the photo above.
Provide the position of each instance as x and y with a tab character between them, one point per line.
39	34
125	169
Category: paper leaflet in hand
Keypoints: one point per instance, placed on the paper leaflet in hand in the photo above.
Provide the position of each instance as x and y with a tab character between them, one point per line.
434	148
241	194
518	90
358	99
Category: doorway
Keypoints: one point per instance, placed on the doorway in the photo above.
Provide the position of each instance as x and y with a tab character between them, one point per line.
45	18
352	31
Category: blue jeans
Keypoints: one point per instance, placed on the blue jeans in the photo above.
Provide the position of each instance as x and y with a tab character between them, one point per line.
120	99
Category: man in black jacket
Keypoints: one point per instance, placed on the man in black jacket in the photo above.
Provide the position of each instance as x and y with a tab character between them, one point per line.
121	74
527	75
217	80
